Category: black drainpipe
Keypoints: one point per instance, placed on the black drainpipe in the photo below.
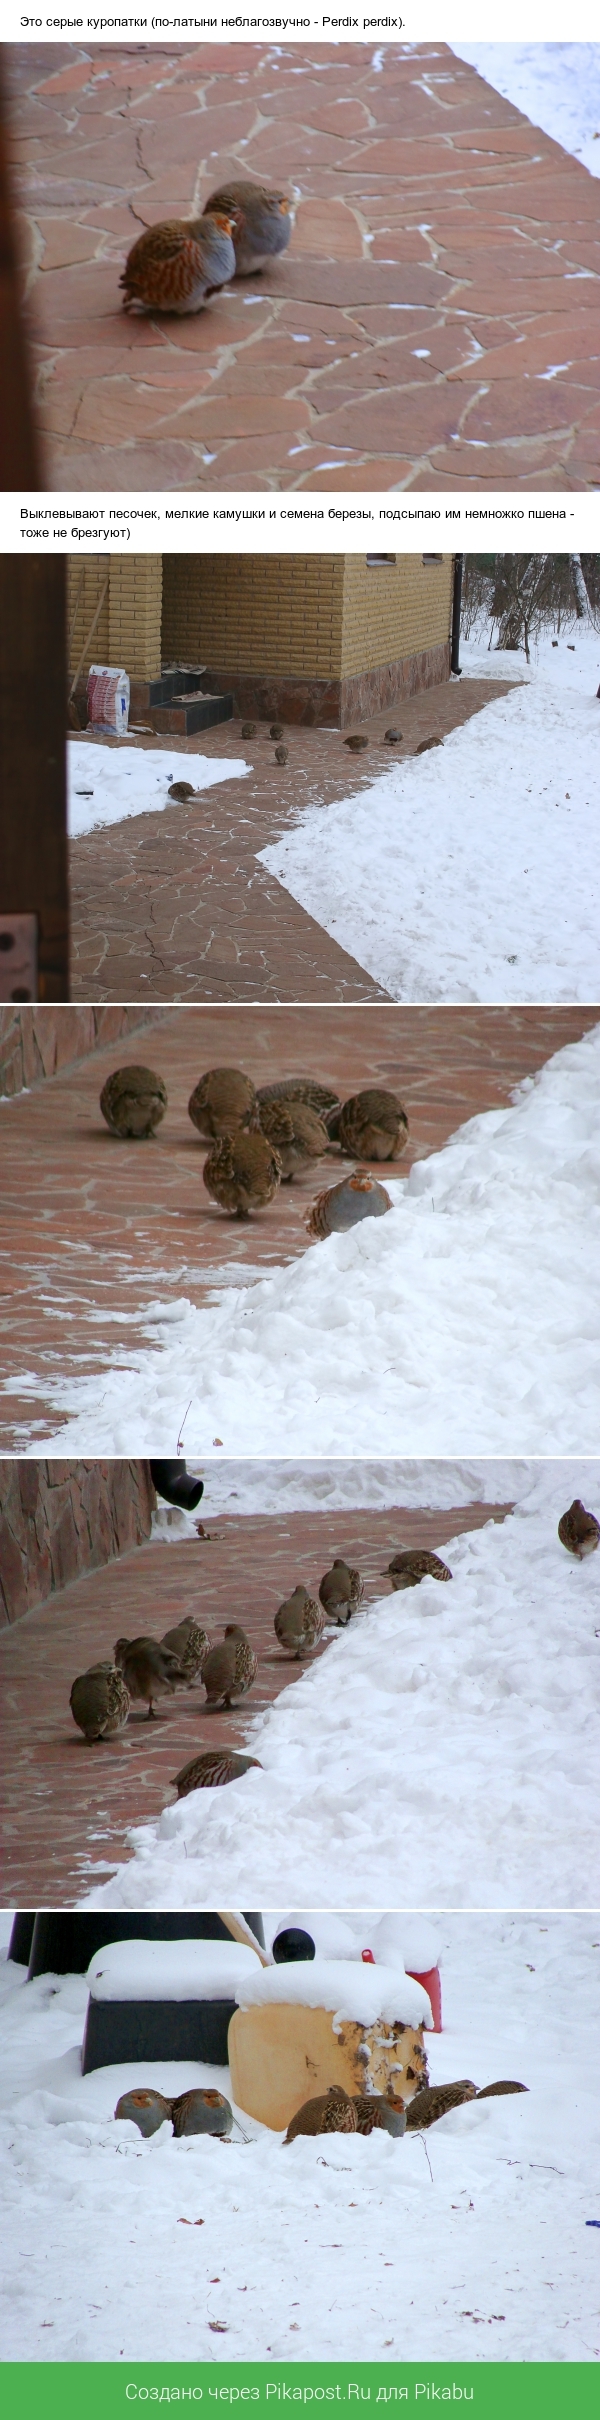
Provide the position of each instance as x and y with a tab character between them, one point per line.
456	606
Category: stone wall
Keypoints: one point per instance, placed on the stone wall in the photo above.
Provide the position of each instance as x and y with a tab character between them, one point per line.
37	1042
59	1519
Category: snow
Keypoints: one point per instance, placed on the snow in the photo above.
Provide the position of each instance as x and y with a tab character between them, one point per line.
444	1752
277	1487
132	781
171	1970
365	1995
555	84
463	1321
465	874
302	2252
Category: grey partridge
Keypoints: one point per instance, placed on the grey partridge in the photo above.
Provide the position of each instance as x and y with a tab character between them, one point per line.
212	1771
281	756
222	1102
133	1101
376	2109
320	1097
190	1644
242	1173
177	264
373	1125
249	730
262	222
331	2112
276	731
392	737
149	1670
340	1590
299	1623
343	1206
201	2112
579	1530
296	1132
99	1702
434	2100
356	740
489	2091
230	1669
181	790
413	1564
424	744
144	2108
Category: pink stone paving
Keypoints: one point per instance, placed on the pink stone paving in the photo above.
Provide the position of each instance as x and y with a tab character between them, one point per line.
66	1806
93	1230
434	323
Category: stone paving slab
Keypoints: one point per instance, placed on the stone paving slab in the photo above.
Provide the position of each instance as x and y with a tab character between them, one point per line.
444	266
174	905
93	1230
67	1806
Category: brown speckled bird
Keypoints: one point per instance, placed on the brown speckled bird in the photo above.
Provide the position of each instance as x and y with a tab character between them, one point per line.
222	1102
262	222
331	2112
579	1530
201	2112
297	1133
181	790
190	1644
376	2109
176	265
242	1173
144	2108
372	1125
413	1564
299	1623
434	2100
320	1097
343	1206
276	731
212	1771
249	730
99	1702
489	2091
340	1590
281	755
424	744
149	1670
133	1101
230	1668
356	740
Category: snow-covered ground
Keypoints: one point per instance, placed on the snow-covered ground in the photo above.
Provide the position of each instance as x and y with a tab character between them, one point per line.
348	2247
443	1751
467	874
277	1487
556	84
106	783
465	1322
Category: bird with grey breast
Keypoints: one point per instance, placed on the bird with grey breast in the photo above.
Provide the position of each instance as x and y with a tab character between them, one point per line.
262	221
413	1564
212	1770
372	1125
149	1670
242	1172
230	1669
579	1530
299	1623
190	1644
343	1206
201	2110
331	2112
340	1590
297	1133
378	2110
99	1702
145	2108
133	1102
222	1102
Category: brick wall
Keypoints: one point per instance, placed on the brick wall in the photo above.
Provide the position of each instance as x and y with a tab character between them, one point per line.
59	1519
37	1042
128	633
392	613
254	613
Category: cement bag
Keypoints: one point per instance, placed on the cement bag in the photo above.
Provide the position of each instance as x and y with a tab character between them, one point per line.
107	699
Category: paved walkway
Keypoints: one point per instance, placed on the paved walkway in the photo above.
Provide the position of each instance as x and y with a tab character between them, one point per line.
67	1806
434	323
174	906
93	1230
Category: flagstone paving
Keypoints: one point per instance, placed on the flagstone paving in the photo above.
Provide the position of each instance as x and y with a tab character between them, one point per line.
423	329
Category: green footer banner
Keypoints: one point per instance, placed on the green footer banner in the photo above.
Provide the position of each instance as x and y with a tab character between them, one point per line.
110	2390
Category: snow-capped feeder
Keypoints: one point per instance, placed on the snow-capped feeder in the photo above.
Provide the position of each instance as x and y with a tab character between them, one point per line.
163	2000
416	1942
299	2028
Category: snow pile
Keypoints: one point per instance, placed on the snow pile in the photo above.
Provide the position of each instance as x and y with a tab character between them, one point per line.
555	84
106	783
463	1321
171	1970
443	1752
277	1487
302	2252
466	874
362	1995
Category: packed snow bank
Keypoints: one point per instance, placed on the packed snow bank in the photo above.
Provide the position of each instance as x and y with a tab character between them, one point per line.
466	874
302	2251
276	1487
443	1752
555	84
104	784
464	1322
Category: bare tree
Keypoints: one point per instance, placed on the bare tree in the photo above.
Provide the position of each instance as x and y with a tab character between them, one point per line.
582	603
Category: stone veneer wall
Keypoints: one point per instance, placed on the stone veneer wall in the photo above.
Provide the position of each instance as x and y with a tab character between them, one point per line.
59	1519
37	1042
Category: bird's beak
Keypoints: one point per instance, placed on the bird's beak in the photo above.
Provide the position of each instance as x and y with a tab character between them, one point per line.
284	207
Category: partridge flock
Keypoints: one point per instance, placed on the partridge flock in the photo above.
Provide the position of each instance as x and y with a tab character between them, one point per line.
176	265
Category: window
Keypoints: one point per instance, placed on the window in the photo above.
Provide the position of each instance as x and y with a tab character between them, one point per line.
380	562
432	558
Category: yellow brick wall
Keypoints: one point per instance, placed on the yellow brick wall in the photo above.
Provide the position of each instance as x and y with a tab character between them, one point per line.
128	632
254	613
395	612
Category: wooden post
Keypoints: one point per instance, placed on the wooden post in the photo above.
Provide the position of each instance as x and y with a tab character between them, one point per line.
33	682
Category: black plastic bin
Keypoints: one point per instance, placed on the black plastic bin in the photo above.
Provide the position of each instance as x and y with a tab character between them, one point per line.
64	1940
118	2030
19	1947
